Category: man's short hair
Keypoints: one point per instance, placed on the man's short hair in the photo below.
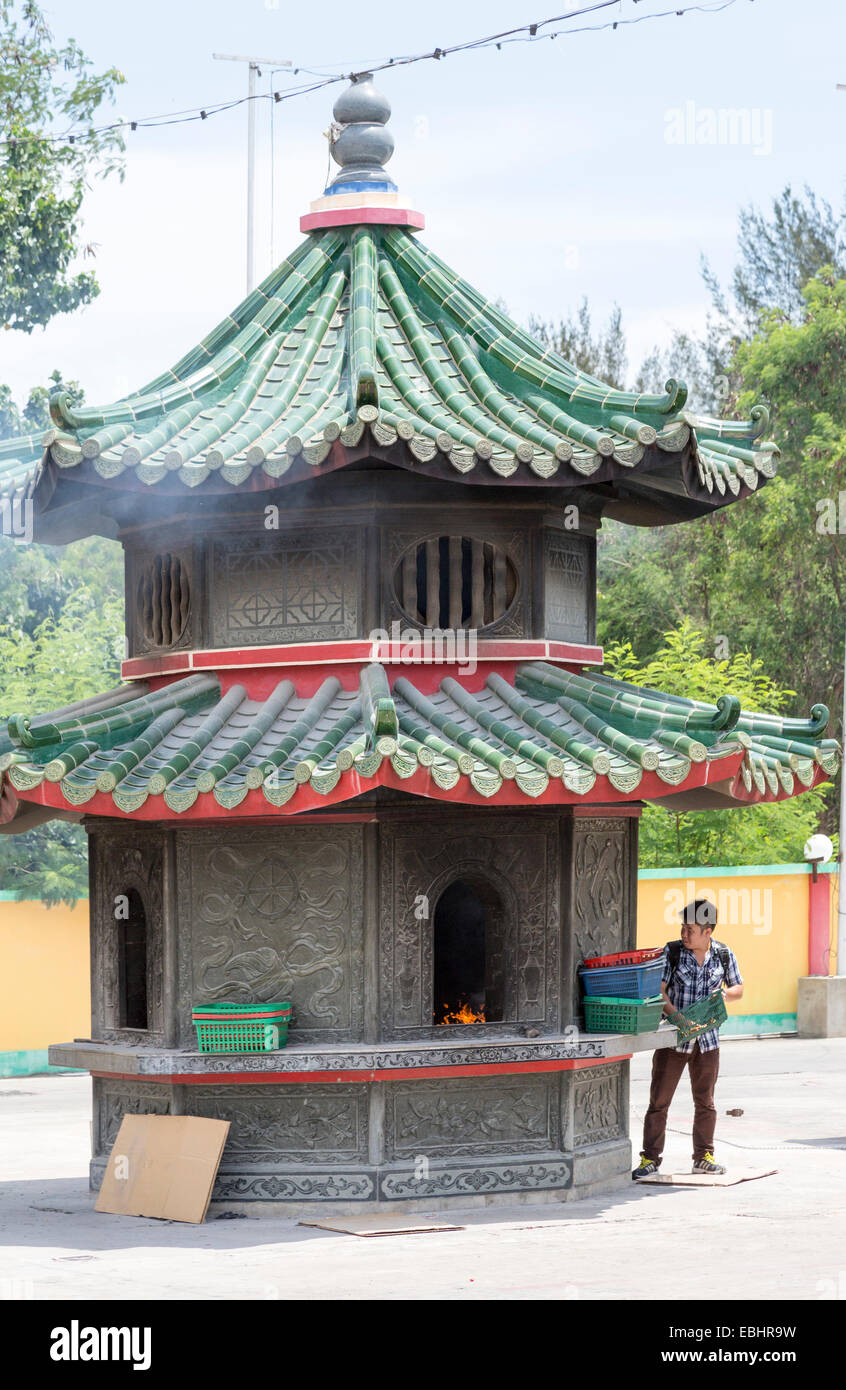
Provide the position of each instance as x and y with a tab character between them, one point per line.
700	913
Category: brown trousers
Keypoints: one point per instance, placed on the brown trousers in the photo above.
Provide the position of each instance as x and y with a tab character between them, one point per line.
667	1067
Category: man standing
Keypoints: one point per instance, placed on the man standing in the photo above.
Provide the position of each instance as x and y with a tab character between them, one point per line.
694	968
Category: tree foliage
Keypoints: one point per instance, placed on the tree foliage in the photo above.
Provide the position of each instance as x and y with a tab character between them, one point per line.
50	863
47	90
600	353
72	651
770	833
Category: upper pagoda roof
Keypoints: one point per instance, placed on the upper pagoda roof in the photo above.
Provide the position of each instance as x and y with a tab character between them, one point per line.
363	343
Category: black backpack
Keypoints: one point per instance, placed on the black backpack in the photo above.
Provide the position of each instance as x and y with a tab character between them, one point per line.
674	950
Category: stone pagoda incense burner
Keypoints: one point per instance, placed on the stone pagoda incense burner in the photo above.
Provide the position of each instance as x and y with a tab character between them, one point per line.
364	757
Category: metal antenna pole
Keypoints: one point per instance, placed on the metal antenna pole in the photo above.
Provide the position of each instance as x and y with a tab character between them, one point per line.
254	70
251	176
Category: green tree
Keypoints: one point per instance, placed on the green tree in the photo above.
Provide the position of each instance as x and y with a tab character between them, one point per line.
59	610
770	833
49	95
66	658
50	863
69	655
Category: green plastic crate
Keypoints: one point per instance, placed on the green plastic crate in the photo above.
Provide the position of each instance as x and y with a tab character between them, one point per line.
230	1031
604	1015
226	1010
234	1036
707	1013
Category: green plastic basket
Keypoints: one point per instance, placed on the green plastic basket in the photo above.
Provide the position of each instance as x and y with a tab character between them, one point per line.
228	1030
702	1016
603	1015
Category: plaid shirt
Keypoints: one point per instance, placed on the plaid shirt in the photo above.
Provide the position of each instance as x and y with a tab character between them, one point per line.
693	982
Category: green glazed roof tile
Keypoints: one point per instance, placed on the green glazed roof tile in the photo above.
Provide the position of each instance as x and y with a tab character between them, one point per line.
364	333
550	733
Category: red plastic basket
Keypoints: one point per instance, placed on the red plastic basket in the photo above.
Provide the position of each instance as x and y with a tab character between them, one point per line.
624	958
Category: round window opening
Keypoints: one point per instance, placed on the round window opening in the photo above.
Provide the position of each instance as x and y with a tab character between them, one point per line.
455	582
164	598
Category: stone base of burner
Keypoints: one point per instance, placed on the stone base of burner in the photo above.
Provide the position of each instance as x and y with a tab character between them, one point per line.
417	1144
513	1182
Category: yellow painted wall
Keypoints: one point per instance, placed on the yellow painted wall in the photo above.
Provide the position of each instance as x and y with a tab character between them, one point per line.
762	917
45	995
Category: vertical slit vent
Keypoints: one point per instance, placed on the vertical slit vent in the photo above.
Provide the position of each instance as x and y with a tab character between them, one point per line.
455	582
164	600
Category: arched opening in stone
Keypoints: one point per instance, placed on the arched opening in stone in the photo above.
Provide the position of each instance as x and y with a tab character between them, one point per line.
468	954
132	963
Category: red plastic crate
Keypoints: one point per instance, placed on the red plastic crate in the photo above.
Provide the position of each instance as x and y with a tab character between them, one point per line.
624	958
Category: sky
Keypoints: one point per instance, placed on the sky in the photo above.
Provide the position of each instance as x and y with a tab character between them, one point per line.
596	164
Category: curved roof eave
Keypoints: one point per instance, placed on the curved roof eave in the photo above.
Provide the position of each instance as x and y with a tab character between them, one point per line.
364	342
549	736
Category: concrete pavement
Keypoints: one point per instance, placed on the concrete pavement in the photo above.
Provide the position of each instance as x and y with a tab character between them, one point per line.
780	1237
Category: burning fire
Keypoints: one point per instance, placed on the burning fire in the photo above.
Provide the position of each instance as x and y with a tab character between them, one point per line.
463	1014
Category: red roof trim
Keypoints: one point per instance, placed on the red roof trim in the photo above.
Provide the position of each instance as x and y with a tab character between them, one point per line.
352	217
352	652
252	1078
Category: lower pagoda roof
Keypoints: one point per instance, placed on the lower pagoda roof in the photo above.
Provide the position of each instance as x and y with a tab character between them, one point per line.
364	344
201	747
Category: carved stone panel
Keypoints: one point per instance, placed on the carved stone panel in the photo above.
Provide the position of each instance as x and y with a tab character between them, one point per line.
283	587
296	1185
488	1115
600	891
288	1124
122	860
519	860
114	1099
515	544
478	1178
268	914
567	582
598	1112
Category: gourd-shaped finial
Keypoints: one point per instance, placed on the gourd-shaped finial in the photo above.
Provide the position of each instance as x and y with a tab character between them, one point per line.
364	144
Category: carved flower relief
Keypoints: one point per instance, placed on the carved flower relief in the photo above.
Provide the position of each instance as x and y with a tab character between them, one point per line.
309	1125
597	1109
438	1118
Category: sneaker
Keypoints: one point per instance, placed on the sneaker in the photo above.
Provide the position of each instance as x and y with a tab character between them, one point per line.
707	1165
645	1168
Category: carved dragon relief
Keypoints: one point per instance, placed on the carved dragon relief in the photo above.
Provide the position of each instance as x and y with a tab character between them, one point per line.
600	891
276	917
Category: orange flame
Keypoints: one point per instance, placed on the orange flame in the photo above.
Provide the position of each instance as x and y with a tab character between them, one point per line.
463	1014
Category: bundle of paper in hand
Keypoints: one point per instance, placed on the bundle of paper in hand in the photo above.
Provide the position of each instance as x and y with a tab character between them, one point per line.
698	1018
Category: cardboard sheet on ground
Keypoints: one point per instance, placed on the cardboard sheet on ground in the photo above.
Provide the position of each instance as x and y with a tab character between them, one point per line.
390	1223
163	1166
729	1179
